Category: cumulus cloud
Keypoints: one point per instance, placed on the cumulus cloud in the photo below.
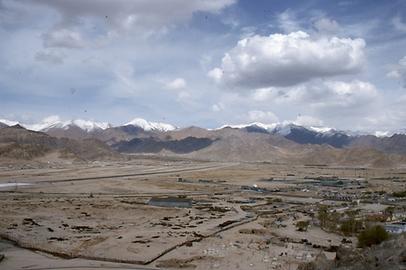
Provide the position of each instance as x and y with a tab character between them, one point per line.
334	94
176	84
261	116
323	96
286	60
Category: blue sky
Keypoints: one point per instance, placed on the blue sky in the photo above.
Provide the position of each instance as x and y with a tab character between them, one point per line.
340	64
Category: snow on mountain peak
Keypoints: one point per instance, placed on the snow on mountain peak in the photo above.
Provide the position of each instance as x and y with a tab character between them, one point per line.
148	126
281	128
9	122
267	127
90	125
55	121
46	123
321	129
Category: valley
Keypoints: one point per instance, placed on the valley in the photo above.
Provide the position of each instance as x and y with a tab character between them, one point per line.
242	215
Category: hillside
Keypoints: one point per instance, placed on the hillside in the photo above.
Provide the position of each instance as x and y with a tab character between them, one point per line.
231	144
19	143
396	144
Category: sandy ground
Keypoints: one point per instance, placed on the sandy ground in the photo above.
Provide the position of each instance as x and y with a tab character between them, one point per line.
19	258
99	211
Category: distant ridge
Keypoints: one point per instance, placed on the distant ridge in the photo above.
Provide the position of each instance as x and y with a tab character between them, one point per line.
252	142
18	143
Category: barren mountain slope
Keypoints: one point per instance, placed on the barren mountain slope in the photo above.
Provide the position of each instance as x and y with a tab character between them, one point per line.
19	143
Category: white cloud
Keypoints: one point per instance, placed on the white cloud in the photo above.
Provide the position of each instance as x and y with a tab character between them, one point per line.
394	74
399	71
268	93
308	121
216	74
330	101
176	84
121	15
283	60
399	24
287	21
390	117
334	94
63	38
326	25
261	116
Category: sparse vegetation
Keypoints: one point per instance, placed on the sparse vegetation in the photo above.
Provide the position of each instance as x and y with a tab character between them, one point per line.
372	236
346	223
328	219
400	194
350	226
302	225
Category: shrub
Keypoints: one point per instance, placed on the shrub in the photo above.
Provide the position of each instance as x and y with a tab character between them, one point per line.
350	226
400	194
302	225
372	236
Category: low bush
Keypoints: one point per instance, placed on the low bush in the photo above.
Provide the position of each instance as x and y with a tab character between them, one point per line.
372	236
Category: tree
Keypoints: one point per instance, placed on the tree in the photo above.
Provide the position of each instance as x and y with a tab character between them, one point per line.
372	236
399	194
322	215
350	226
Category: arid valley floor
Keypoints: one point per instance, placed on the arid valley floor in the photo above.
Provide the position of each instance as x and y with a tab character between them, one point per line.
242	215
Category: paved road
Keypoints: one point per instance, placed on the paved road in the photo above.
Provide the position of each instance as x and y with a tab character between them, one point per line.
201	168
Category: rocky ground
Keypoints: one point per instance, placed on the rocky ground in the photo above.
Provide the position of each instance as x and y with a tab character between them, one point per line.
100	211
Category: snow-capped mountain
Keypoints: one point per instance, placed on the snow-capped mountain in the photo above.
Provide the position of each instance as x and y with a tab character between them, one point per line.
290	130
299	134
85	125
267	127
150	126
283	128
54	122
9	122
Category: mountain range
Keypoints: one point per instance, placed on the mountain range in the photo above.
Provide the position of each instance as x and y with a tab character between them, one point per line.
19	143
282	142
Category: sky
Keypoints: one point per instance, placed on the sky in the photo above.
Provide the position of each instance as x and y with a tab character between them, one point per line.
207	63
